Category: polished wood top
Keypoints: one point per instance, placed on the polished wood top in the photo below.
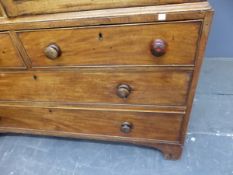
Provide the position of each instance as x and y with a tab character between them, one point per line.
15	8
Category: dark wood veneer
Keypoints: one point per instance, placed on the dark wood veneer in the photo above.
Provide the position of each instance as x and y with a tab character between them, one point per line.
114	74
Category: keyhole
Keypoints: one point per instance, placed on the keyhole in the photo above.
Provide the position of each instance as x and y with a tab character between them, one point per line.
101	36
34	77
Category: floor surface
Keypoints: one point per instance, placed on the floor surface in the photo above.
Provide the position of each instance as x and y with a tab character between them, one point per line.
208	149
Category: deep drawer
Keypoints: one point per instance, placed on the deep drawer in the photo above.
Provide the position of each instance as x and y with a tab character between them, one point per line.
148	86
73	122
139	44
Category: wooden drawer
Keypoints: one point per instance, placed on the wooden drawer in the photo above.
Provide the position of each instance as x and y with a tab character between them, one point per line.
9	57
146	86
29	7
113	45
146	125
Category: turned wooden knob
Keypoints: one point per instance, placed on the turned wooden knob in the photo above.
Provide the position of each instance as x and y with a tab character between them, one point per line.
126	127
52	51
158	47
123	90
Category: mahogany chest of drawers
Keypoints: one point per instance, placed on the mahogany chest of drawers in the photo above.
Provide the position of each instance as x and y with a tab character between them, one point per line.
118	70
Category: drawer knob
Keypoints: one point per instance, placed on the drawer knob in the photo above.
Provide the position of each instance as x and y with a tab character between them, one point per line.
123	90
126	127
52	51
158	47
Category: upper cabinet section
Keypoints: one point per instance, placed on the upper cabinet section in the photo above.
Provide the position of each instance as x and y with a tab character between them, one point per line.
15	8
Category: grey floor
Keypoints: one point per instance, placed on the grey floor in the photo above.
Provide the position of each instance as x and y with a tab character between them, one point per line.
208	149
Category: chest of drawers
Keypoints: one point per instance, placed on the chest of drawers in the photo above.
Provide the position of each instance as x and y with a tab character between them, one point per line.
124	71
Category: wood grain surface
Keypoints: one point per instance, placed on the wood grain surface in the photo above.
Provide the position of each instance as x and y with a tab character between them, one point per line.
9	56
77	95
174	12
151	87
114	45
84	122
29	7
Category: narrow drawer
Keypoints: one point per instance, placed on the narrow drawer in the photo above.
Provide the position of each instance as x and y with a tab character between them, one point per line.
9	57
116	86
78	122
139	44
29	7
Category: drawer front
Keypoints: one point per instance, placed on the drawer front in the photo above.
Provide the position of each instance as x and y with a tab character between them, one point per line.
104	123
29	7
9	57
160	87
113	45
